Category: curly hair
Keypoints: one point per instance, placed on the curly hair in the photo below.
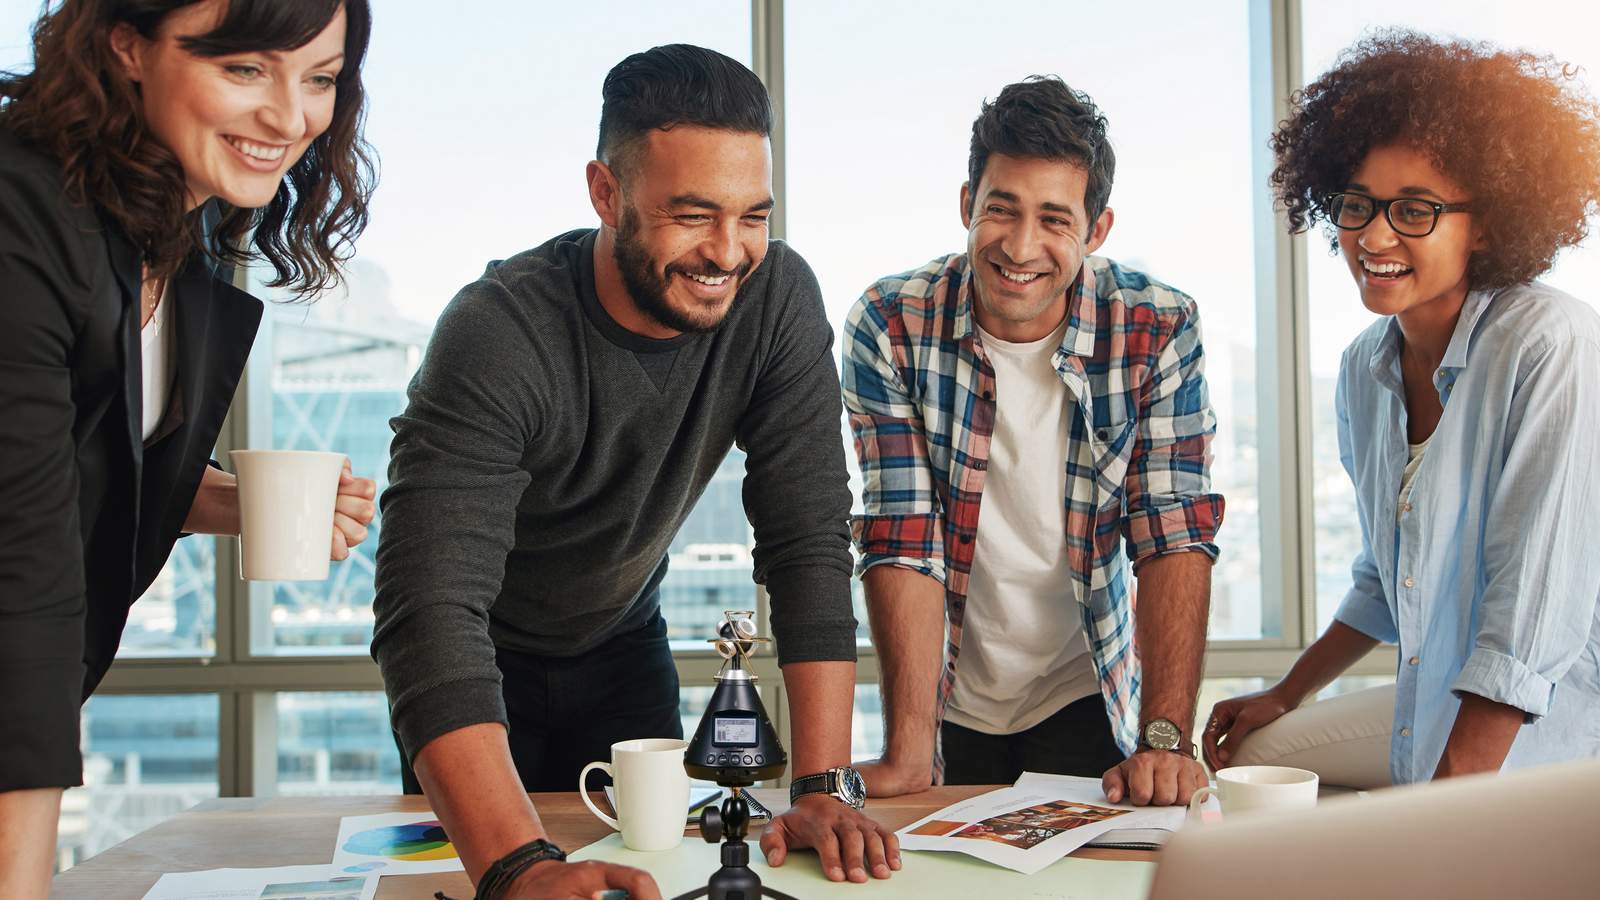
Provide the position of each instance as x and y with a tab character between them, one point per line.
1041	117
1516	129
78	107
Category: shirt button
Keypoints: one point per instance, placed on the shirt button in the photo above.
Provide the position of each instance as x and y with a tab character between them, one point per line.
966	539
988	395
1405	507
1405	732
1414	660
1409	582
980	464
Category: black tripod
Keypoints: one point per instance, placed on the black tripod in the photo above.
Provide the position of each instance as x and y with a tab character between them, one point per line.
734	881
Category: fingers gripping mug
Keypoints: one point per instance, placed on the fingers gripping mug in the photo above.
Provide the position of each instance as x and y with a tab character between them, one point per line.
286	502
652	791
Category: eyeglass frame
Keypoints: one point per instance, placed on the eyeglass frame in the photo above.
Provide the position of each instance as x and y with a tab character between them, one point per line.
1387	206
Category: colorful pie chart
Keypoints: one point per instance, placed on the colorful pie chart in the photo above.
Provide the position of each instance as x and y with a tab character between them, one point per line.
419	841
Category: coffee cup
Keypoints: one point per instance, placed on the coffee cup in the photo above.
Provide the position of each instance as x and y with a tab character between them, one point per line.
1250	789
286	500
651	788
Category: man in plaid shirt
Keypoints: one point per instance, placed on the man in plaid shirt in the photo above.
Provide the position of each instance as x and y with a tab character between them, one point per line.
1064	395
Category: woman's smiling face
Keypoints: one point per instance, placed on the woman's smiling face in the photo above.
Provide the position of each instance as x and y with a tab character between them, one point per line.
236	123
1397	273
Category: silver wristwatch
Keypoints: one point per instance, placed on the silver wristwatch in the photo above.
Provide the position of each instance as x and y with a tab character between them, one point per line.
1161	734
843	783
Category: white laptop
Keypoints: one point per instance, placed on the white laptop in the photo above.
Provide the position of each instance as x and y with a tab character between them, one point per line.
1532	834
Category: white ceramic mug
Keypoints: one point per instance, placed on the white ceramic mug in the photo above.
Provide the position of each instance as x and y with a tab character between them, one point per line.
286	500
652	790
1247	789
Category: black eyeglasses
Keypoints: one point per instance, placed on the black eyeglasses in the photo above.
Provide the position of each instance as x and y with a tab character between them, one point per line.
1410	216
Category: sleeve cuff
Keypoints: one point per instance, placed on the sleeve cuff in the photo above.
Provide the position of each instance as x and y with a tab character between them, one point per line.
449	707
1368	616
933	568
1495	676
1182	523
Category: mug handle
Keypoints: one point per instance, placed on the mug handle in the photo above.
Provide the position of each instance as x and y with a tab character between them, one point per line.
1194	802
583	776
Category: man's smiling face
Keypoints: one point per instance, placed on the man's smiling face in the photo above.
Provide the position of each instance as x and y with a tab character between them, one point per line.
1027	236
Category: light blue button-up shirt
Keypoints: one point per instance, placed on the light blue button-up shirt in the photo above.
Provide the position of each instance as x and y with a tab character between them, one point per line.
1490	580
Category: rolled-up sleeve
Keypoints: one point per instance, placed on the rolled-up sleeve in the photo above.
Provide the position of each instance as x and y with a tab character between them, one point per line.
1364	607
1541	572
1170	504
900	522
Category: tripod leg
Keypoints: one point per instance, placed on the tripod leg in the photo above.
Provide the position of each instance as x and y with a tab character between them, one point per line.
774	894
697	892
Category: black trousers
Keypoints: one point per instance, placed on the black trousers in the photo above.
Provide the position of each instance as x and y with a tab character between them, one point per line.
567	712
1075	741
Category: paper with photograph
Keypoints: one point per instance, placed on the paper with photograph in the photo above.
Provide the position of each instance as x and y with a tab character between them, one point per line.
1023	828
1163	820
320	882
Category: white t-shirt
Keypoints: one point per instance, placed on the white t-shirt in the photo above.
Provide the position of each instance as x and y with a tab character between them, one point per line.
1023	652
1409	474
156	356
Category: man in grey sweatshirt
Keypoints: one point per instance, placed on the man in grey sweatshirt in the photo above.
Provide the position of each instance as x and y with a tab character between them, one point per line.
572	406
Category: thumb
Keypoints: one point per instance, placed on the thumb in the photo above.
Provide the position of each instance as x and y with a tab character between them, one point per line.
774	843
1112	785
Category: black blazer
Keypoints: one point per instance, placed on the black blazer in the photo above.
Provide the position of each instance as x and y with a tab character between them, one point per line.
88	514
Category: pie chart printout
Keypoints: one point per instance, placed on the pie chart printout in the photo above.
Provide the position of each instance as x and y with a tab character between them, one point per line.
416	842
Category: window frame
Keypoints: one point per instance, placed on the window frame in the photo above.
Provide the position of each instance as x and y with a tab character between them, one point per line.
246	682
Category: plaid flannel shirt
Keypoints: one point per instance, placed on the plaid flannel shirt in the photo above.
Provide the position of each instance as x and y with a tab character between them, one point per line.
919	390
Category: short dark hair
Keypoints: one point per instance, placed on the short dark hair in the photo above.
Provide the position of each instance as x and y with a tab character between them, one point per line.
677	84
1515	129
1041	118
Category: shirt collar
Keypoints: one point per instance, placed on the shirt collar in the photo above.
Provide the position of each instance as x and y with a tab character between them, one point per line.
1081	310
1385	361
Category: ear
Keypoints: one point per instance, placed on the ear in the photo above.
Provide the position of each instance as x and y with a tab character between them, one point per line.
1100	231
966	204
128	46
1480	241
605	193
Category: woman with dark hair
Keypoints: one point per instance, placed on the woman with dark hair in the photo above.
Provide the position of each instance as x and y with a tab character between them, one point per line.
1450	175
152	146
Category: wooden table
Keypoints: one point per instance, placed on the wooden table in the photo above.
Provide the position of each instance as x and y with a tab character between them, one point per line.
248	833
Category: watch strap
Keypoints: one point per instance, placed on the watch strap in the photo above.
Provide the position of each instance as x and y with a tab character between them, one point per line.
820	783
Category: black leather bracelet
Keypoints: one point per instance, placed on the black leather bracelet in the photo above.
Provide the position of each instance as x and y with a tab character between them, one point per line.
499	876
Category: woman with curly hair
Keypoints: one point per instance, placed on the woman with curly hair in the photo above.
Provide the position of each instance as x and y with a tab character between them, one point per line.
153	144
1450	174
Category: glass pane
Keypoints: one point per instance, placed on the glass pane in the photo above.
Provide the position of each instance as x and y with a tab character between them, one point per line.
177	616
854	174
1215	690
340	366
334	742
1561	27
866	725
145	759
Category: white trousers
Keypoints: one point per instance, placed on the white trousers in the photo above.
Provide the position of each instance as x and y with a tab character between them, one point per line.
1344	739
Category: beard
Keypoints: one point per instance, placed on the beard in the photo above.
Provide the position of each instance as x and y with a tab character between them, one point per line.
649	289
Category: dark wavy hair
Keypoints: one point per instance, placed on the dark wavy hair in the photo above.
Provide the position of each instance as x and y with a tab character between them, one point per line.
79	107
1041	118
671	85
1517	130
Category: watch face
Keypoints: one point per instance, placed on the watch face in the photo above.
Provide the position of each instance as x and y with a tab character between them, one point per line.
852	788
1161	734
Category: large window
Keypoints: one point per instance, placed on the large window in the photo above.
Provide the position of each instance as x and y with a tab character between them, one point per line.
1565	28
484	130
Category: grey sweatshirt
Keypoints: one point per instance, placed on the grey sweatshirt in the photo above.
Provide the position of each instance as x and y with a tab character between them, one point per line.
548	456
